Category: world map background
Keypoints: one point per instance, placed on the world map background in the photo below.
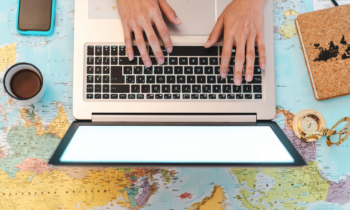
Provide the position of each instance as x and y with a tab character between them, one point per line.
29	135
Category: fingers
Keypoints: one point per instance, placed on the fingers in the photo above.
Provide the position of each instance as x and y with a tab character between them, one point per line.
226	54
261	50
239	60
250	58
141	45
128	42
169	12
163	32
153	42
215	34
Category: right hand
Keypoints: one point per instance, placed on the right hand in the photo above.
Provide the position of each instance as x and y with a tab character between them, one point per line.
138	16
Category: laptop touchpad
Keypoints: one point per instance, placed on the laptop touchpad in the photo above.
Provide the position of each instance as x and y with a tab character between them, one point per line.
197	17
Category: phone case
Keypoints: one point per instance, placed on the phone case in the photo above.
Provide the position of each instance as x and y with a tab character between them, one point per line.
40	33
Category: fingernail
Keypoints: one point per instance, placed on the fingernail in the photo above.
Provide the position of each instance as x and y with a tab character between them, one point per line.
223	75
178	21
169	50
207	43
237	81
160	60
130	57
148	63
249	77
263	65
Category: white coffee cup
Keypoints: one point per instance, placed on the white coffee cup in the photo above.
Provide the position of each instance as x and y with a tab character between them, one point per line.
6	80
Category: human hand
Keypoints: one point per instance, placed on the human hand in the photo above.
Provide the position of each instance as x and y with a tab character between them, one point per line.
138	16
242	23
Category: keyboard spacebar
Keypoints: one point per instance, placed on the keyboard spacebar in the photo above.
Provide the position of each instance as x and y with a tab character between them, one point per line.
120	88
194	51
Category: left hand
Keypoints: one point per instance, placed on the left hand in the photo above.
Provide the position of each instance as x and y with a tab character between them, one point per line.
242	23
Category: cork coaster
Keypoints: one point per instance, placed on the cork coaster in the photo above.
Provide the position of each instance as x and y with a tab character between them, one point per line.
325	39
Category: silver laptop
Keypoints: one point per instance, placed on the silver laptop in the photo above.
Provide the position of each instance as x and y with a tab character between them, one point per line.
186	91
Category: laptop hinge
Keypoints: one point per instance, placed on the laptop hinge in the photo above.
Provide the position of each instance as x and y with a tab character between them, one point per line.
105	118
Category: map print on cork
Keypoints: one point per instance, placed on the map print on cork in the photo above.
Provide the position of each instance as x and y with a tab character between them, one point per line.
333	51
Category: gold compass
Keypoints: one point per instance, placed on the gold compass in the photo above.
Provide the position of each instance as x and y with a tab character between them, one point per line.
309	125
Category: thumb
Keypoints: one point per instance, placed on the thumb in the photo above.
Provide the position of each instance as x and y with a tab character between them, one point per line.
169	12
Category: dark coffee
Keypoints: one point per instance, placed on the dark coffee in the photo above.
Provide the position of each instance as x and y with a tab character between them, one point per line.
25	83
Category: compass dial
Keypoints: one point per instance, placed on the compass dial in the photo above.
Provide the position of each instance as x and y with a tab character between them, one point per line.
309	123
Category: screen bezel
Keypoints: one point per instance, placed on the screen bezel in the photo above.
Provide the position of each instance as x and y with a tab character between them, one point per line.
298	160
32	29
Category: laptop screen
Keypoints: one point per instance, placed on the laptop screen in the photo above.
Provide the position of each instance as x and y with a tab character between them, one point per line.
175	144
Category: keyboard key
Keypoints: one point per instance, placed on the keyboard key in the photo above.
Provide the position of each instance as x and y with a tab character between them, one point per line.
183	61
203	61
125	61
211	79
216	88
127	69
204	96
98	69
98	50
194	96
114	61
237	89
90	50
230	70
89	96
222	96
90	60
248	96
193	61
194	51
137	70
217	69
170	79
117	75
105	96
154	61
130	79
188	70
114	50
160	79
150	96
155	88
173	61
106	88
120	88
140	79
135	88
114	96
198	70
239	96
258	96
221	80
90	88
186	96
98	60
257	70
256	63
176	88
181	79
206	89
98	79
105	79
167	96
191	79
208	70
150	79
230	80
106	50
256	80
165	88
214	61
226	88
136	51
176	96
186	88
97	88
201	79
148	70
106	70
97	96
247	88
178	70
159	96
122	50
212	96
146	88
158	70
140	96
257	89
230	96
122	96
168	70
140	60
131	96
90	69
196	88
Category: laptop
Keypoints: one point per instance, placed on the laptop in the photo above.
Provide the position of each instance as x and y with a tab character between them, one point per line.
180	113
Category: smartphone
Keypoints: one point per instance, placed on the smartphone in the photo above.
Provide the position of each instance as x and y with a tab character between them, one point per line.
36	17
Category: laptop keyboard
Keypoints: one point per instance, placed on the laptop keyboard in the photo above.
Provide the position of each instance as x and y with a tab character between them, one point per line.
188	73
